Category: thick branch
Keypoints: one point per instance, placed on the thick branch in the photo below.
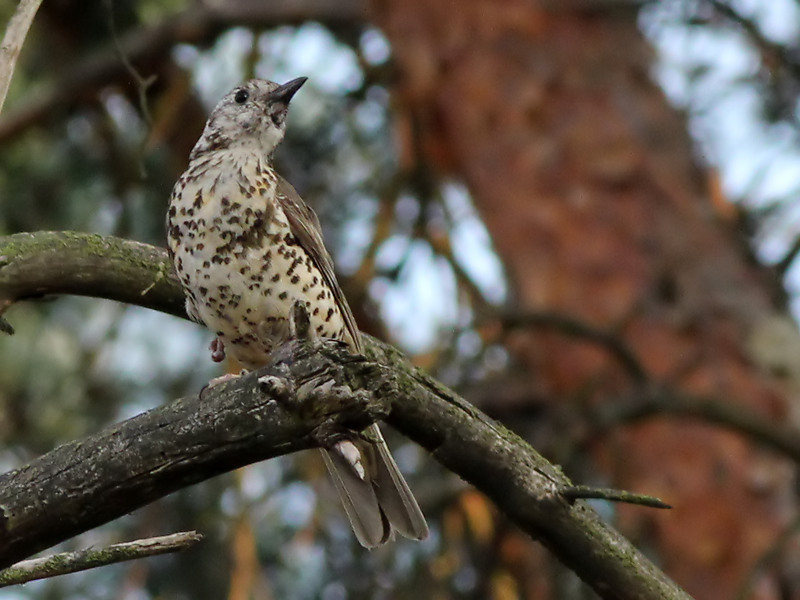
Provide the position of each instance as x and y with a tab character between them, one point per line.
83	484
63	262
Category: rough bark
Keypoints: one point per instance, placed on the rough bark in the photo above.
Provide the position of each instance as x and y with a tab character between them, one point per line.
87	482
585	177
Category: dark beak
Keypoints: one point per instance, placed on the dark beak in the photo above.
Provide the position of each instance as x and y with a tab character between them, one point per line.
284	93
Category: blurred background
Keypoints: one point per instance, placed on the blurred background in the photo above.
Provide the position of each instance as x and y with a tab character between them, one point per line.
582	215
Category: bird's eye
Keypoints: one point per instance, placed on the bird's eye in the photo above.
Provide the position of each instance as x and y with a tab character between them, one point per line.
241	96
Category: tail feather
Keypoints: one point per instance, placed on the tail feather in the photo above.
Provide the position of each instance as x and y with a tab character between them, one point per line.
394	496
382	500
359	500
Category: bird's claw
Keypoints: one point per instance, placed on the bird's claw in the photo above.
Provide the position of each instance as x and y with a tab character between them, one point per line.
280	388
218	380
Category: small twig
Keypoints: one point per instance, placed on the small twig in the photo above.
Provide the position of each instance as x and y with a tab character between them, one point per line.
769	51
142	83
72	562
782	266
381	230
441	244
5	326
584	492
16	31
575	328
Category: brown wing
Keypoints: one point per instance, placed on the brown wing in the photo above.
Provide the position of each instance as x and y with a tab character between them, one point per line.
305	225
383	500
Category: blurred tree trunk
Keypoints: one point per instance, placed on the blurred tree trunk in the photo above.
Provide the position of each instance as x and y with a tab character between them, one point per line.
585	177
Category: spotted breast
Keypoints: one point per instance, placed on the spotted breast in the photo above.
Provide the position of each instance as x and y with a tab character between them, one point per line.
238	259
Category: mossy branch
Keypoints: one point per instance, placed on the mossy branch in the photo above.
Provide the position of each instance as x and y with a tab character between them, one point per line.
64	262
88	482
92	558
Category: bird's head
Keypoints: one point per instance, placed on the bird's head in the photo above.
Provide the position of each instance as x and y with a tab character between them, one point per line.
252	116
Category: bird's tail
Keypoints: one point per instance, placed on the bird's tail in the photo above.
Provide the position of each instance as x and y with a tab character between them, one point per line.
374	493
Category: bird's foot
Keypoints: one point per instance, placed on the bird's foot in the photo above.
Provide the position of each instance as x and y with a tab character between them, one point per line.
221	379
280	388
224	378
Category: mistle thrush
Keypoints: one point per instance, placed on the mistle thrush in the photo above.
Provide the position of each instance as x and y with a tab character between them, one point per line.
246	248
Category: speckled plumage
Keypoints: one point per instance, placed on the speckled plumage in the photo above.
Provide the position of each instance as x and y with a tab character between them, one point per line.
238	259
246	248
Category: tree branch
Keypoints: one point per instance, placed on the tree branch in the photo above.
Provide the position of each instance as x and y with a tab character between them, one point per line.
63	262
16	31
659	401
148	45
578	329
85	483
72	562
309	393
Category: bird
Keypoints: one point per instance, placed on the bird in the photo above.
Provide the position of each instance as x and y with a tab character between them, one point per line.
246	248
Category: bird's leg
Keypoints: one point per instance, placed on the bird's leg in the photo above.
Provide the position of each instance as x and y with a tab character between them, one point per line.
217	348
300	322
223	379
